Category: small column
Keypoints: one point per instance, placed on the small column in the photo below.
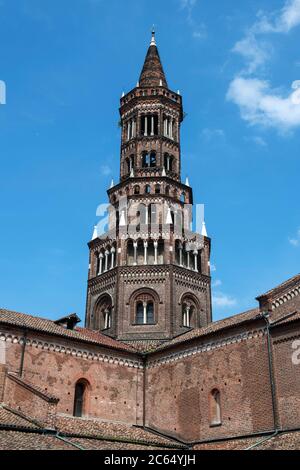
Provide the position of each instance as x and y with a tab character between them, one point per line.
128	130
165	127
133	128
145	313
106	260
180	254
134	253
145	252
171	133
188	259
100	263
112	251
106	319
168	162
146	126
195	252
152	125
155	243
187	318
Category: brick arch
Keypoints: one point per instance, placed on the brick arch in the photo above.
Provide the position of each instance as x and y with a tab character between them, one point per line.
192	296
104	301
188	298
143	293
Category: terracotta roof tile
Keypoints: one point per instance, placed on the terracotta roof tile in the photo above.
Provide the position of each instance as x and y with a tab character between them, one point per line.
284	285
16	440
48	326
213	327
109	430
11	418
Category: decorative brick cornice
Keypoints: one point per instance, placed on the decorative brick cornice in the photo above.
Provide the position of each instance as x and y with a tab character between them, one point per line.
71	351
288	295
205	347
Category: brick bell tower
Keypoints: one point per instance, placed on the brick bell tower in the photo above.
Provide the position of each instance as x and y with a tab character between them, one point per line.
149	274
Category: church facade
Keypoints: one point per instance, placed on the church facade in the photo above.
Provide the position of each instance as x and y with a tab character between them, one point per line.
150	369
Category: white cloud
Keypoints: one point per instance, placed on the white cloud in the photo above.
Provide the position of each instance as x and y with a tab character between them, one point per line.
210	134
217	283
223	300
213	268
254	52
280	22
295	241
260	104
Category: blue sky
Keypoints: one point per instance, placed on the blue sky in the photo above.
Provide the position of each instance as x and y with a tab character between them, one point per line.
65	64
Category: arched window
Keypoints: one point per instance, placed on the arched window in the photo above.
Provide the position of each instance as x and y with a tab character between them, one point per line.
130	253
167	190
144	306
157	189
152	159
128	165
136	189
145	313
190	311
147	189
187	313
215	407
103	313
80	398
149	159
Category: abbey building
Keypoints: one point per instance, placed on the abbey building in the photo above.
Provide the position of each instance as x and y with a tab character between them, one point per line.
150	368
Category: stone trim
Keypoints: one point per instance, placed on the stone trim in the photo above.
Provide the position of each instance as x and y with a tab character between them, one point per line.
75	352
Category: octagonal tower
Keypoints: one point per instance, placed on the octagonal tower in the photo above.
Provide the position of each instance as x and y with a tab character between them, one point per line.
149	275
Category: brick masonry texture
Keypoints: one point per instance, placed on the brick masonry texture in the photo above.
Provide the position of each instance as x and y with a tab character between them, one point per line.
175	380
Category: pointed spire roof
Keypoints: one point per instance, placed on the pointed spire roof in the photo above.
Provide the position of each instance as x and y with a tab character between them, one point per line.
153	73
95	233
204	231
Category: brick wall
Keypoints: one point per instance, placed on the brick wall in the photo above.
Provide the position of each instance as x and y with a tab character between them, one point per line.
25	398
115	389
177	397
287	371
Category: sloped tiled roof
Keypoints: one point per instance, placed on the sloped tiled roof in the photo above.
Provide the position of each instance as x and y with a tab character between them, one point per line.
20	432
282	441
10	418
85	427
43	325
214	327
281	287
152	73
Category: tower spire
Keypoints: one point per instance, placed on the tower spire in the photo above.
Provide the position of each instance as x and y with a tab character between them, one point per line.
153	73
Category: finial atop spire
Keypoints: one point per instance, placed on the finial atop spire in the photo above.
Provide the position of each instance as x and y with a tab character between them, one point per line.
153	42
152	73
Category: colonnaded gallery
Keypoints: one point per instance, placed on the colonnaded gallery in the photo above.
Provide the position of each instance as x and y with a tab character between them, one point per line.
150	369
